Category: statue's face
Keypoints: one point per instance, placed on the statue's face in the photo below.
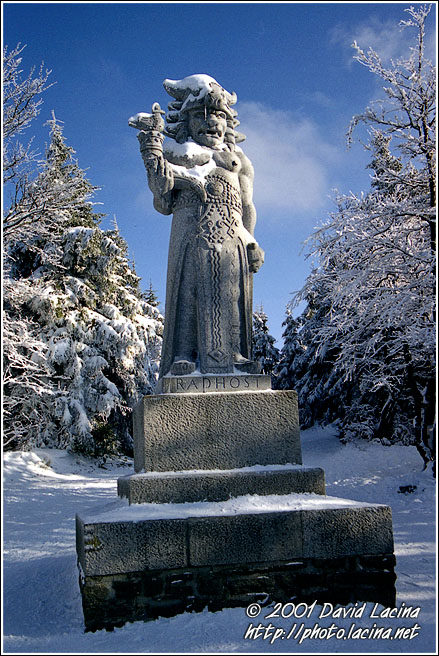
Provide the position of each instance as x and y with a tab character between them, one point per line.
207	126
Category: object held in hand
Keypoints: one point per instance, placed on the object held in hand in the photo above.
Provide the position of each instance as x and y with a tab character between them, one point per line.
151	127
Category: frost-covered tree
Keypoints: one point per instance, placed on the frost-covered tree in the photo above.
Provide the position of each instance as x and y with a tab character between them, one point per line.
264	350
408	115
29	384
376	263
21	105
71	287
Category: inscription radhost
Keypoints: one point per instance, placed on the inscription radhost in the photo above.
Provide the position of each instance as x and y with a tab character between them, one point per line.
217	383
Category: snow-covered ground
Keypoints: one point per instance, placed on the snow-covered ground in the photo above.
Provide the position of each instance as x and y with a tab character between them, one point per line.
41	600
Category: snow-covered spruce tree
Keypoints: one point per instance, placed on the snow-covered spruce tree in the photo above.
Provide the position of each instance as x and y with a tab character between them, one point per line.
376	263
292	348
150	296
322	393
264	350
101	340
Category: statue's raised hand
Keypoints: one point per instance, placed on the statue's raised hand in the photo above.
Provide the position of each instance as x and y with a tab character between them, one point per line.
160	175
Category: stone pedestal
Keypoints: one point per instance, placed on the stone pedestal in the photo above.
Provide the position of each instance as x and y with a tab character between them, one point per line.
220	512
174	432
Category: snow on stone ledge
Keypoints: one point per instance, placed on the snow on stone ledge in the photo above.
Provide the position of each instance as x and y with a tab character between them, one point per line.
199	472
121	511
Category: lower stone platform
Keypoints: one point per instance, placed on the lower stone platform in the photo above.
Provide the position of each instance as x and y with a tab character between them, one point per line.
110	601
146	560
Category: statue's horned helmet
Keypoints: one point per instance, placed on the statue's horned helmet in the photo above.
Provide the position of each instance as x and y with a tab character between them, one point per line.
193	92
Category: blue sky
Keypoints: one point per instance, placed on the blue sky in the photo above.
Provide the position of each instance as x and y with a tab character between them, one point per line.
292	67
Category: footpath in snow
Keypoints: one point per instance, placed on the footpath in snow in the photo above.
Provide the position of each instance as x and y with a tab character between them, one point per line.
42	611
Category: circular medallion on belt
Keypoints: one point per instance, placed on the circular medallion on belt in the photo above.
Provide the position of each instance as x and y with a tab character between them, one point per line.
215	188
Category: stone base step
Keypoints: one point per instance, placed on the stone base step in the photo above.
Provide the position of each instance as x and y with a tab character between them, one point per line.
220	485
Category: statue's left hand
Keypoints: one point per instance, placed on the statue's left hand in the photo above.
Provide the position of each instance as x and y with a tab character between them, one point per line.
255	256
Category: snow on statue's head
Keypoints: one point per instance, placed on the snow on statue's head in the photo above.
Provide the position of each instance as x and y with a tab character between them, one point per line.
195	92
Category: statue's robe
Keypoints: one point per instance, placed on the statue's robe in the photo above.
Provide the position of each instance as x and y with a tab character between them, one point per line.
208	311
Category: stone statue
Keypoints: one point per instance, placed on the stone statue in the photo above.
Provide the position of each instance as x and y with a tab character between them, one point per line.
204	179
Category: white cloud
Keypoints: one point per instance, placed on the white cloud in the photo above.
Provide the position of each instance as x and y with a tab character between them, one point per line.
318	98
290	156
390	40
386	38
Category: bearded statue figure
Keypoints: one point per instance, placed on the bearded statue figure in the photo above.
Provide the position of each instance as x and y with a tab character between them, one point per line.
205	181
